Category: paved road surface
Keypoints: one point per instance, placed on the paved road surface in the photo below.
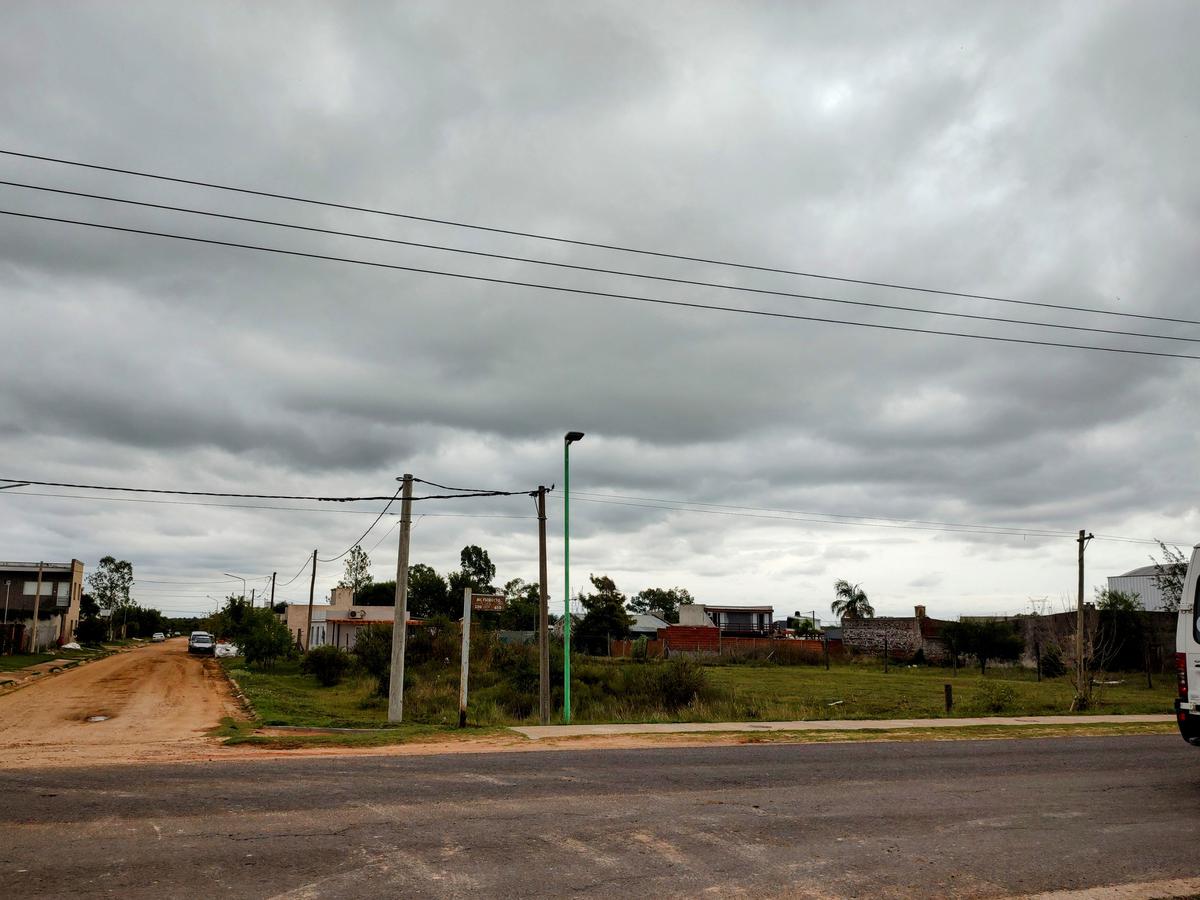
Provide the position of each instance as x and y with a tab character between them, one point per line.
157	702
954	818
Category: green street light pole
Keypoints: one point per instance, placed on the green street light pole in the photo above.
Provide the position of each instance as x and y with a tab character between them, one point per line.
568	439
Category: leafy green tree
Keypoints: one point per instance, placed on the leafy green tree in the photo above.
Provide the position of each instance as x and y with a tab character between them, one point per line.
521	611
1169	576
429	595
1121	629
264	639
358	574
110	585
605	616
475	571
661	602
373	648
851	601
802	624
986	640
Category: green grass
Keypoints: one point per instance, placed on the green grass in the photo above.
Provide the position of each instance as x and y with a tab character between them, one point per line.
865	692
737	693
23	660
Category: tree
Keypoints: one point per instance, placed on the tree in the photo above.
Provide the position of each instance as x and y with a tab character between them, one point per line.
1169	576
264	639
1121	630
802	624
605	617
521	610
429	595
986	640
851	602
477	566
110	585
661	602
381	593
358	574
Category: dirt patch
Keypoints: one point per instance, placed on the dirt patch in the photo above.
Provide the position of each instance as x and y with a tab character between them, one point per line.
152	704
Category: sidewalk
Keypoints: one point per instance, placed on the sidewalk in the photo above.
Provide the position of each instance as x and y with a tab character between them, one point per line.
538	732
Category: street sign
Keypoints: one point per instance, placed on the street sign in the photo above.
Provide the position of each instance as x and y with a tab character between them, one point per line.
487	602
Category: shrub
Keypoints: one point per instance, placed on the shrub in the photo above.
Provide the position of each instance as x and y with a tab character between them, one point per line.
327	664
91	630
373	649
995	697
1052	662
680	682
264	639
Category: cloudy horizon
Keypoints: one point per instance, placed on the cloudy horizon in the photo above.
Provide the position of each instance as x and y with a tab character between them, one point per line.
1039	155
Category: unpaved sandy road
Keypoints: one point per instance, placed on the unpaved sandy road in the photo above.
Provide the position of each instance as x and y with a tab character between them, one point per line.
158	700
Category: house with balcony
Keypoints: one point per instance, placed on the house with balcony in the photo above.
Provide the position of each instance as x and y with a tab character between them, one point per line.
47	593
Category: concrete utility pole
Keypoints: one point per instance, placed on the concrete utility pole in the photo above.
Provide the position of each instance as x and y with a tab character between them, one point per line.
1082	540
312	584
543	613
465	662
37	602
400	628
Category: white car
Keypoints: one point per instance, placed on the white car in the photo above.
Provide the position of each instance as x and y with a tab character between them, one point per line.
226	650
158	637
1187	654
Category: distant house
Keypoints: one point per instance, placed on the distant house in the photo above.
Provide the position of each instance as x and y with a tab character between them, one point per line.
1139	581
57	604
732	621
646	625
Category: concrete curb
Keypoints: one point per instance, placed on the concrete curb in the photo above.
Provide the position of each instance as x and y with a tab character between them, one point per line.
238	692
540	732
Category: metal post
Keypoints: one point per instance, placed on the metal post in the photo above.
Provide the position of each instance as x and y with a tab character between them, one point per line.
567	582
312	584
543	613
466	659
400	628
37	602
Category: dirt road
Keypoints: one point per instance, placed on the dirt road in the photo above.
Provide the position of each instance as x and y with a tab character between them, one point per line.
157	702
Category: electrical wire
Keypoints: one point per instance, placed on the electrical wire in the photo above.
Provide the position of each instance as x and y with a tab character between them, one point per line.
603	271
658	254
99	487
610	295
304	565
382	512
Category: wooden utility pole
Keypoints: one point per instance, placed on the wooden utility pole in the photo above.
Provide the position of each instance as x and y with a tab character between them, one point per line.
312	584
1080	684
37	602
465	661
400	626
273	591
252	598
543	612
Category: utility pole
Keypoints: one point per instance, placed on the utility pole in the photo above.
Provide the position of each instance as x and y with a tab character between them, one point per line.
272	591
312	584
400	627
1080	694
37	602
465	662
252	598
543	612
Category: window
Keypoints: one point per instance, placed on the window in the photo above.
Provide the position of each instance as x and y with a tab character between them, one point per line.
31	588
64	594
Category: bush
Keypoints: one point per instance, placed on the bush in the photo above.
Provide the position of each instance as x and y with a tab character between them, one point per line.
91	630
264	639
680	682
373	649
995	697
1052	662
327	664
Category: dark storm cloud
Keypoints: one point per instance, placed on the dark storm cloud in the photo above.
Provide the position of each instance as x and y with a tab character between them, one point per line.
1040	153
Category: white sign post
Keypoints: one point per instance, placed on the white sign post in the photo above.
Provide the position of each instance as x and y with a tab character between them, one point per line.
466	658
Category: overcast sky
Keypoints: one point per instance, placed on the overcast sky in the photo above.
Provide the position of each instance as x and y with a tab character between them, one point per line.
1037	151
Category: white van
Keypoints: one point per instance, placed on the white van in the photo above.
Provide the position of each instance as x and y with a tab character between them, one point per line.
1187	653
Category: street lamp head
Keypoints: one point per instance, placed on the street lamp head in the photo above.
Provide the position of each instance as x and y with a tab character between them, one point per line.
572	436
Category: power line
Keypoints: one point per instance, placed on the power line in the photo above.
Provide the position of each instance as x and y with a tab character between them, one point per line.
660	301
603	271
658	254
99	487
368	531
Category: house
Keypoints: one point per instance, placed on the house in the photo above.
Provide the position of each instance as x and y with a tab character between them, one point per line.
295	617
1139	581
732	621
645	625
57	604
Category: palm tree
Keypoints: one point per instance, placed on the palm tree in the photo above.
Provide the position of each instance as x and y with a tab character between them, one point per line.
851	602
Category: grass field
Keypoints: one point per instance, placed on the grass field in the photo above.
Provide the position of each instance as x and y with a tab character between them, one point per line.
738	693
21	660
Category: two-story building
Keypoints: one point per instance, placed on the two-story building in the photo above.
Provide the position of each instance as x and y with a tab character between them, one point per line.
53	590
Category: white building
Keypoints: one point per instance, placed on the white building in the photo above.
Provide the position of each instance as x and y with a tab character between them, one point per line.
1139	581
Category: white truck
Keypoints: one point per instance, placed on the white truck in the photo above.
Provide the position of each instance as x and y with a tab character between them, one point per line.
1187	654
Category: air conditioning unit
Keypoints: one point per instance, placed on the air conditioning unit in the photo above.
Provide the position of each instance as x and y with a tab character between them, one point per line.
358	613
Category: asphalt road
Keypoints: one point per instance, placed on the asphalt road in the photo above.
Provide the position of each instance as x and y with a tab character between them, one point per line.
955	818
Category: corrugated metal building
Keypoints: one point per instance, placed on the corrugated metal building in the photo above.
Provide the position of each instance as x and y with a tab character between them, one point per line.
1139	581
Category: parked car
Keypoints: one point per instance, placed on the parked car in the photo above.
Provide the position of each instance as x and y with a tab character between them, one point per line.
201	642
158	637
1187	654
224	650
